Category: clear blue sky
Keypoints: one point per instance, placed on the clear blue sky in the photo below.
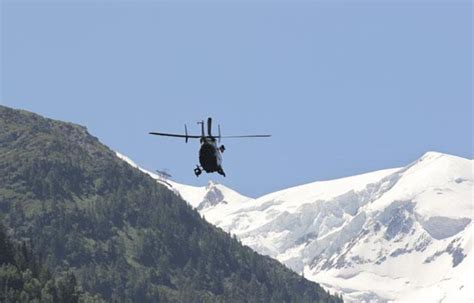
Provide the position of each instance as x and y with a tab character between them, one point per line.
344	87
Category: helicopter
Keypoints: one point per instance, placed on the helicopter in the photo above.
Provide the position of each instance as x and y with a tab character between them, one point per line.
210	153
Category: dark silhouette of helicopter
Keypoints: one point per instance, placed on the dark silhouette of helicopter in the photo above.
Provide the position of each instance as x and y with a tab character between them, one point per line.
210	154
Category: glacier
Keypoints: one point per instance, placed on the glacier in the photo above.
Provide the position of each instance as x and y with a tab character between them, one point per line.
395	235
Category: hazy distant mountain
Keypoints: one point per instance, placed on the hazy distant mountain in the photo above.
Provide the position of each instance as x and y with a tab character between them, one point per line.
124	236
401	234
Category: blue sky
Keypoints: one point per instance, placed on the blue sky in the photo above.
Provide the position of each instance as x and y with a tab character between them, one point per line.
343	87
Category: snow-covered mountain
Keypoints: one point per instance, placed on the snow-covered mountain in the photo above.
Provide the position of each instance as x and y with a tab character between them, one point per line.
201	198
402	234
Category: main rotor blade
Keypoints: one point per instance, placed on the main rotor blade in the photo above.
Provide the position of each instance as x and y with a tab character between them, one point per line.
246	136
175	135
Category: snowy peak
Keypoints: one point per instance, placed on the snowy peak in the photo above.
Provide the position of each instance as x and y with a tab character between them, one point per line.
436	183
200	197
352	234
402	234
433	155
213	196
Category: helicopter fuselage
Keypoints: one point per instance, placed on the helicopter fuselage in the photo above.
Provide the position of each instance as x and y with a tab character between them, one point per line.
210	156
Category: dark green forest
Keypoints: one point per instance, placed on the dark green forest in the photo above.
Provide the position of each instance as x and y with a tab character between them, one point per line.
24	278
99	230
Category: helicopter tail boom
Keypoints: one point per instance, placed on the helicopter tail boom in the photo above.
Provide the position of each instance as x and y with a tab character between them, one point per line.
209	127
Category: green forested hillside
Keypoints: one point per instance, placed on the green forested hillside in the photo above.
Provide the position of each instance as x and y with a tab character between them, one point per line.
24	278
125	237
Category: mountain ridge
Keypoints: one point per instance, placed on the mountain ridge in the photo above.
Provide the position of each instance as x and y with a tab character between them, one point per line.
419	214
125	237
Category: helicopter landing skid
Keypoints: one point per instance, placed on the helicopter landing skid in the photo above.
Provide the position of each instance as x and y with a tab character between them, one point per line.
220	171
197	171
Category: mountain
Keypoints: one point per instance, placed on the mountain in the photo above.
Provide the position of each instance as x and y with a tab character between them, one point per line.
24	278
200	198
122	235
402	234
